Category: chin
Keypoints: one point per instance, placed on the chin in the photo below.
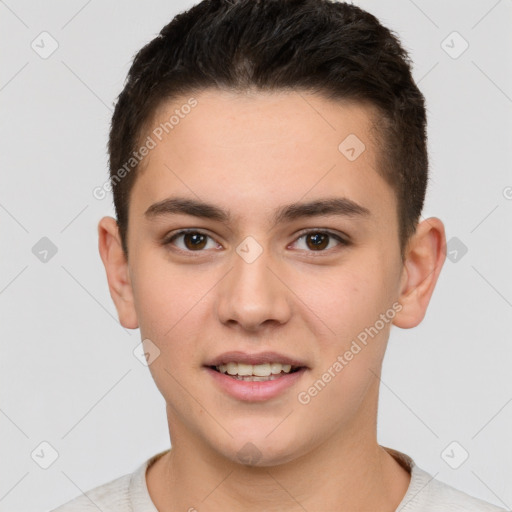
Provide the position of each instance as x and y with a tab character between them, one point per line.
261	452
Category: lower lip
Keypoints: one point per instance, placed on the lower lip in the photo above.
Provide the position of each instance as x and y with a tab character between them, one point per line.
255	391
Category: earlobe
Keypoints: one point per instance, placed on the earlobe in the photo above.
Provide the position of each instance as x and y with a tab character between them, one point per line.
424	259
117	270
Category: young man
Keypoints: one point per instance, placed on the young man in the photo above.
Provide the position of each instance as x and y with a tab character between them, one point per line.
268	164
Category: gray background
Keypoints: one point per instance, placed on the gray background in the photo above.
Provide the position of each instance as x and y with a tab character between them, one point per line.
68	373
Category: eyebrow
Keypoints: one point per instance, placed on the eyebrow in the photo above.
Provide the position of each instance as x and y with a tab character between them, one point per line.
339	206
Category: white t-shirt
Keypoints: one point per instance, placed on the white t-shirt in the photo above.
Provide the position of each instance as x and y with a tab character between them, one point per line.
129	493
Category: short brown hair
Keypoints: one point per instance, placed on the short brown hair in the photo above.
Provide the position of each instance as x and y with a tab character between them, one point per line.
331	48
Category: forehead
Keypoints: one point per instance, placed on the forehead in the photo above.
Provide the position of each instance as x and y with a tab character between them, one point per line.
252	151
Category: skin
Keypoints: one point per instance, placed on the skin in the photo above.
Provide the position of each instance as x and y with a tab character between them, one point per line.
250	154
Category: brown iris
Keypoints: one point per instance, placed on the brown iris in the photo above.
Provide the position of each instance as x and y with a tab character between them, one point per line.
194	240
320	240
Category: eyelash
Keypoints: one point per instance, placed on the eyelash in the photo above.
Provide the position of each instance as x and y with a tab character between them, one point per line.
342	241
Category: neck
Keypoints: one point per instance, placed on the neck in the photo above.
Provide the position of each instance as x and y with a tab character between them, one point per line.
348	473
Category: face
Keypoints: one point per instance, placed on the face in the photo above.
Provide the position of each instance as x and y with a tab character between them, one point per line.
264	274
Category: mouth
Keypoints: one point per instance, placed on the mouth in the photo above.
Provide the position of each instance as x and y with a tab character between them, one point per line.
255	377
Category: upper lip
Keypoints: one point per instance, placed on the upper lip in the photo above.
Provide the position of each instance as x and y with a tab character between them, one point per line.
255	358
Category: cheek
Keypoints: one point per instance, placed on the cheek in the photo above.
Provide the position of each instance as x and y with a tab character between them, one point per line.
165	302
348	300
357	307
349	360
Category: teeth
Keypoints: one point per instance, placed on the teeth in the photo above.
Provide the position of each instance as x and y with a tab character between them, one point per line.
232	368
276	368
258	370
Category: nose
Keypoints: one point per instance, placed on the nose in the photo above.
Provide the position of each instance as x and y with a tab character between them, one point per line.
253	294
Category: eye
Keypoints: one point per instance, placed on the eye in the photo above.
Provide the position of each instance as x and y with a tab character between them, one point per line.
195	241
317	240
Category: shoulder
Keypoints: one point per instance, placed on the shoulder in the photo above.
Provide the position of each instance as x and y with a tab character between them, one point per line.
124	494
433	495
426	494
112	496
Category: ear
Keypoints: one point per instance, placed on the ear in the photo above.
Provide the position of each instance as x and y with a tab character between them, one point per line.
424	258
118	276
